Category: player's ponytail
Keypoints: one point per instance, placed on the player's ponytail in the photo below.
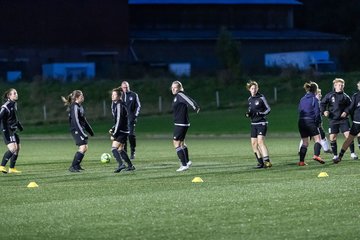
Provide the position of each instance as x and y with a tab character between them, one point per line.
71	97
311	87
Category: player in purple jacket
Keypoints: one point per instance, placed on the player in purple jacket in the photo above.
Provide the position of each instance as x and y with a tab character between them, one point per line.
309	121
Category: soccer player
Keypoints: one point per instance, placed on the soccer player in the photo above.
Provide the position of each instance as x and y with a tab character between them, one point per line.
181	121
354	110
78	126
132	102
120	131
309	121
257	111
10	124
324	141
335	106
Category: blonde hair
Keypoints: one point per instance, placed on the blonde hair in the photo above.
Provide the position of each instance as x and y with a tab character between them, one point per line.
311	87
71	97
251	83
179	84
338	80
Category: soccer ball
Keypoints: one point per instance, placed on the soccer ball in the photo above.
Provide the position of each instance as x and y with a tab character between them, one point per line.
105	158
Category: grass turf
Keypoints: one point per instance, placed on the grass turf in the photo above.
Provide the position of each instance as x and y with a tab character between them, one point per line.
235	201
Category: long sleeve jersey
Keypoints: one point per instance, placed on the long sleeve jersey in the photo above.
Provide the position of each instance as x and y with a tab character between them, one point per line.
258	108
132	102
120	115
8	116
309	108
77	120
355	108
336	103
180	108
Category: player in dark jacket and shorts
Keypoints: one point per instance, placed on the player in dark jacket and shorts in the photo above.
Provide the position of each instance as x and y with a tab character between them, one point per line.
335	106
180	106
78	126
354	110
10	124
257	111
120	131
132	103
309	121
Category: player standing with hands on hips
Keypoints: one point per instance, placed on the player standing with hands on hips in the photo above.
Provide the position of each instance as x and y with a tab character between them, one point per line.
120	131
132	103
10	124
257	111
78	126
180	106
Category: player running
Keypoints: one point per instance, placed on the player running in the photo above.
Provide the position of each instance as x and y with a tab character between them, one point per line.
354	111
335	106
10	124
257	111
309	121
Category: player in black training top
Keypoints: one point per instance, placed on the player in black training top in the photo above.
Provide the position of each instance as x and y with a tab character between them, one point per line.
78	126
354	110
180	106
335	106
120	131
132	102
10	124
257	111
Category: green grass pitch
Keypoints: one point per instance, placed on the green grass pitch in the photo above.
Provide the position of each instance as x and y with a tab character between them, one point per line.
235	201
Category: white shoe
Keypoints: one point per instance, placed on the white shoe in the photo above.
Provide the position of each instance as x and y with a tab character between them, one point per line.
182	168
335	157
354	156
189	163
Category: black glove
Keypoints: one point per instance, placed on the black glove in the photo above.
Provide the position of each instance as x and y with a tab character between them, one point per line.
247	114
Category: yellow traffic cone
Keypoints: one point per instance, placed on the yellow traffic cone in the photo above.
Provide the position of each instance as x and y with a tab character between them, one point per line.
197	180
32	185
323	174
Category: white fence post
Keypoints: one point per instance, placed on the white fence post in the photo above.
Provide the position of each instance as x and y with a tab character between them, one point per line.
104	108
44	113
160	104
217	99
275	94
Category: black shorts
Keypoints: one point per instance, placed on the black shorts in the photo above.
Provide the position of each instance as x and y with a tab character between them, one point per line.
180	133
258	129
336	127
79	138
121	138
355	129
10	137
308	128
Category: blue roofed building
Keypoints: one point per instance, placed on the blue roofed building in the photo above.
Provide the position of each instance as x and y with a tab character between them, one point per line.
170	31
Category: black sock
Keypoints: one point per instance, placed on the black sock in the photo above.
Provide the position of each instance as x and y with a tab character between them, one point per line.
125	157
333	145
186	151
181	154
13	160
302	153
7	155
342	152
116	155
352	147
260	160
358	139
77	159
317	148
